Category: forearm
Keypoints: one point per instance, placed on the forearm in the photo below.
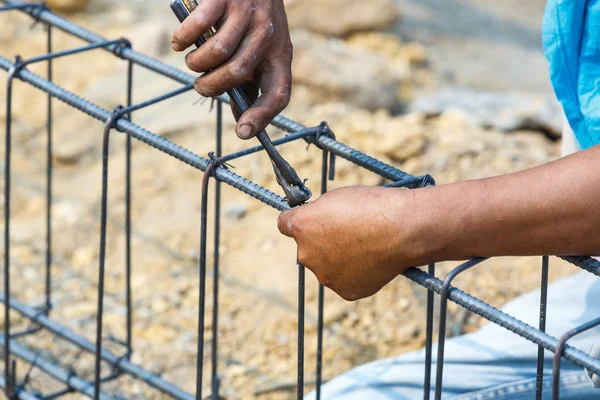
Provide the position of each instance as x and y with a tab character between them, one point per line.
551	209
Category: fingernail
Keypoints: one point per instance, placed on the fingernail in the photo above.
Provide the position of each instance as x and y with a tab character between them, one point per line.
175	46
245	131
198	87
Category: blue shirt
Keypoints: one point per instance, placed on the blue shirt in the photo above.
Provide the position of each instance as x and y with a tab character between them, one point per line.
571	36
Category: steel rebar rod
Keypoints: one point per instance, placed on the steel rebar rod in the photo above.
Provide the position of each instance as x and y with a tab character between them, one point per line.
539	382
86	345
215	379
128	301
508	322
301	305
439	377
428	338
560	348
210	171
321	300
49	156
294	136
588	264
58	373
7	186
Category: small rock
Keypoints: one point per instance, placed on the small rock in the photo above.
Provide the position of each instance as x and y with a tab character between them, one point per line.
503	111
403	304
235	211
67	213
403	55
82	256
333	72
341	17
74	139
402	144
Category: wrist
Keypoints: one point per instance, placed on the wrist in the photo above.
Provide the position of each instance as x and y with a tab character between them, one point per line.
433	222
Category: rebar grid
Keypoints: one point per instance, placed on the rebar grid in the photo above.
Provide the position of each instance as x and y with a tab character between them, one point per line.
214	166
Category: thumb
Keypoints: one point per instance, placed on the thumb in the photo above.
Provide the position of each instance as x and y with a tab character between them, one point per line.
285	223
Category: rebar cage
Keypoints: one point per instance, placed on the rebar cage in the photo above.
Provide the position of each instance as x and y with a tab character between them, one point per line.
120	119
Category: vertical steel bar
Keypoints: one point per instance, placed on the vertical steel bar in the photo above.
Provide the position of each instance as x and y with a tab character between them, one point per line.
319	380
13	374
428	338
128	215
102	256
539	381
439	376
202	287
7	183
215	327
301	295
49	186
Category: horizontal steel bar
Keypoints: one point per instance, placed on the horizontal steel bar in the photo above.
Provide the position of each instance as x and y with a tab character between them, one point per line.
588	264
498	317
70	52
157	99
361	159
86	345
71	380
176	74
294	136
412	182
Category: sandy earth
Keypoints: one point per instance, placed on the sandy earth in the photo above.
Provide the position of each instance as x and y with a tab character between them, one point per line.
258	319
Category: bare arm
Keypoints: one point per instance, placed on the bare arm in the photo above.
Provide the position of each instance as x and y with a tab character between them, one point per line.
356	240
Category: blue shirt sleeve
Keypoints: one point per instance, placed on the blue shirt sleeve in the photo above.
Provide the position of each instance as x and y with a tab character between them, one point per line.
571	36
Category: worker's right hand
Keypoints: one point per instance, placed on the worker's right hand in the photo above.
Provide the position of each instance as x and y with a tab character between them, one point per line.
356	239
252	45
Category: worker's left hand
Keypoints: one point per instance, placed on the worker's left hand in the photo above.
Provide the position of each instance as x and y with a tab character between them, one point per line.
252	48
353	239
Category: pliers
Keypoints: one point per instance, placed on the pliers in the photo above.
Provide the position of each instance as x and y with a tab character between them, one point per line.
295	191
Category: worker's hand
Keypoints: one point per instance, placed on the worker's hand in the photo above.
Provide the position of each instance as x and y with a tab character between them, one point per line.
353	239
252	44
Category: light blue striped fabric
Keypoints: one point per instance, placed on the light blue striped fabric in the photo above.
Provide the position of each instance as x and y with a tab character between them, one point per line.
571	35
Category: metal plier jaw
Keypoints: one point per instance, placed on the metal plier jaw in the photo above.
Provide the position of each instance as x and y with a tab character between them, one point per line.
295	191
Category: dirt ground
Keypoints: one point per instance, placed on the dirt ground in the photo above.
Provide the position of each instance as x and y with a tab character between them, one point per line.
258	294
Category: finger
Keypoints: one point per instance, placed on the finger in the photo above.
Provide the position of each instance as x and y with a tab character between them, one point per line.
239	69
205	16
285	223
220	47
276	88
